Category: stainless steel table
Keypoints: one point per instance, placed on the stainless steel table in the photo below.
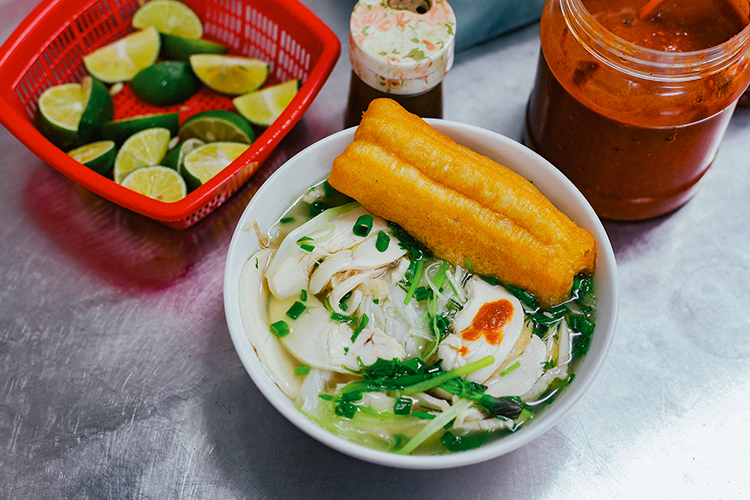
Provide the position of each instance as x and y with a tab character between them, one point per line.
118	378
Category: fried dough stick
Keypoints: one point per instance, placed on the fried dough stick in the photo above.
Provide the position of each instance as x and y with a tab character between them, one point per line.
462	205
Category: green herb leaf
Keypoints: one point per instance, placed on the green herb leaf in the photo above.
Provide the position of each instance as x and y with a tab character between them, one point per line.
318	207
360	326
402	406
460	443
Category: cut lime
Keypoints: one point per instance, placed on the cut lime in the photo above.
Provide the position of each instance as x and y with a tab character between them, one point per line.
177	48
232	75
98	156
217	125
157	182
176	155
122	60
264	106
120	130
169	16
202	163
99	109
165	83
144	149
72	113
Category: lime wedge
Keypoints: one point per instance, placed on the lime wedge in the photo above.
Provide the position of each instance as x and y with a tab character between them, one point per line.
72	113
169	16
144	149
122	60
232	75
98	156
202	163
262	107
176	155
120	130
157	182
165	83
216	126
177	48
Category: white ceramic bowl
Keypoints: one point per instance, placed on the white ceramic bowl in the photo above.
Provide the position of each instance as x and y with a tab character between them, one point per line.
312	165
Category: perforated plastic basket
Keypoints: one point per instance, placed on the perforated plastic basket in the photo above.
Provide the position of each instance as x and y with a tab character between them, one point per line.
48	47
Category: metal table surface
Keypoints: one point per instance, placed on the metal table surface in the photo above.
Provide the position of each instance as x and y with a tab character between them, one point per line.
118	378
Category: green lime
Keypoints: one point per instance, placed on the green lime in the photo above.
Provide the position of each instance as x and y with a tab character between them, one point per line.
232	75
165	83
98	156
176	155
217	125
169	16
122	60
72	114
262	107
202	163
157	182
177	48
144	149
119	130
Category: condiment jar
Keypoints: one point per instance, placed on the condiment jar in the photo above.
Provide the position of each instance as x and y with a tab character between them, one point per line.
400	49
634	129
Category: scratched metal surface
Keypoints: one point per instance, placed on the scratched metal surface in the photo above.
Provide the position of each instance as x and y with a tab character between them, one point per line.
118	378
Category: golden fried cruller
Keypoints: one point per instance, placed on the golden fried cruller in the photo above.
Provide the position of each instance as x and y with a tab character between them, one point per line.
460	204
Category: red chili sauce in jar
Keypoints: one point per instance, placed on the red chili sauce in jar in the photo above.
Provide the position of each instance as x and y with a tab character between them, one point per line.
632	128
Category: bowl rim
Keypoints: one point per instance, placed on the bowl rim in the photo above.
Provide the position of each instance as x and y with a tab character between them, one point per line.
485	142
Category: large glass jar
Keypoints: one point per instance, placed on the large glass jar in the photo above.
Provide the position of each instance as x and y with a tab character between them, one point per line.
633	128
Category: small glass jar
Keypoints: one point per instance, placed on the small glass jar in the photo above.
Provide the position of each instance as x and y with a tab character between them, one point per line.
634	129
400	49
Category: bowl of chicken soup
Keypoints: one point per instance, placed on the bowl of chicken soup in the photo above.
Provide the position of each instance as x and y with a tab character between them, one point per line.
368	341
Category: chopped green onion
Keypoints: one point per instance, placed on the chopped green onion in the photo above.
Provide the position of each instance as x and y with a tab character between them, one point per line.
423	415
318	207
439	278
280	328
328	189
286	220
460	443
303	239
414	281
527	298
382	242
422	293
510	368
361	326
435	425
302	370
467	265
402	406
363	226
306	247
433	382
341	318
296	310
376	301
256	262
303	295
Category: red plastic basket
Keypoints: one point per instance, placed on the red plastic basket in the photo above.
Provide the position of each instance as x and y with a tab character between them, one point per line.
48	47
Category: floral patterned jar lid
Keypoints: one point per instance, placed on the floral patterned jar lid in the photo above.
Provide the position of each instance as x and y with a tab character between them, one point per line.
402	47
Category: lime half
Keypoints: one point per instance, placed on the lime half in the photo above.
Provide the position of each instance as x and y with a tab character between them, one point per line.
216	126
169	16
144	149
178	48
202	163
165	83
157	182
264	106
232	75
98	156
122	60
176	155
72	113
